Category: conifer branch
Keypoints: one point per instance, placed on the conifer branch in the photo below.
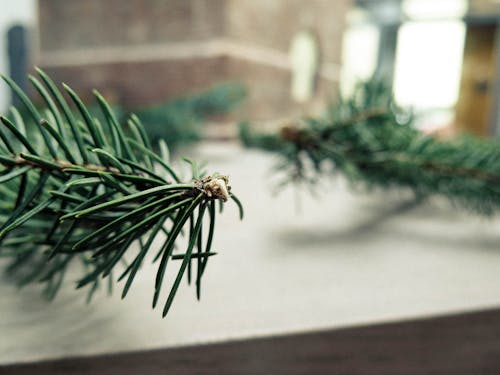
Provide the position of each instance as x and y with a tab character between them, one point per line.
78	190
368	139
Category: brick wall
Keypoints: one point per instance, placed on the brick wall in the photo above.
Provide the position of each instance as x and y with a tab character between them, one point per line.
145	51
82	24
138	84
273	23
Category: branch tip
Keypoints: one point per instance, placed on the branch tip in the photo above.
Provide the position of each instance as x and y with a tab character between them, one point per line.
215	186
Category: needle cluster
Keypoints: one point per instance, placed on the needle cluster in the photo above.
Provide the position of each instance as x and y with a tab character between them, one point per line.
77	190
372	142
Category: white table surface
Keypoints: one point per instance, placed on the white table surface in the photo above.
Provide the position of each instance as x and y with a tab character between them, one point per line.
345	259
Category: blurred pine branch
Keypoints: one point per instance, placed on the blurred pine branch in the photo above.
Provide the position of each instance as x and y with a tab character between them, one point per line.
180	121
371	141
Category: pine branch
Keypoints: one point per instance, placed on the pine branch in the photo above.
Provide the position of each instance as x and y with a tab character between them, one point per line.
79	190
180	120
364	138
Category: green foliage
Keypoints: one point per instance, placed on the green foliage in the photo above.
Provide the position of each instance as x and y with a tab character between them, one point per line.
368	139
265	141
81	191
180	121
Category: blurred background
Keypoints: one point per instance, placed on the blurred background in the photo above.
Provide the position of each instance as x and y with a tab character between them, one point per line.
440	56
194	69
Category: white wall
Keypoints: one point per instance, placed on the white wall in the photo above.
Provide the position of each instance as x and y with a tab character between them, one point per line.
12	12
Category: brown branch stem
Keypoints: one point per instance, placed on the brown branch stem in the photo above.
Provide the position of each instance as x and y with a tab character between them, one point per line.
20	161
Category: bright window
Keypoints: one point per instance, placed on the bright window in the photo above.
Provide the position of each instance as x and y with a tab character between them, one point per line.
428	64
434	9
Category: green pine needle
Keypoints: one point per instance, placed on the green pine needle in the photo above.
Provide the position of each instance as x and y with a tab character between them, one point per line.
79	192
368	139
